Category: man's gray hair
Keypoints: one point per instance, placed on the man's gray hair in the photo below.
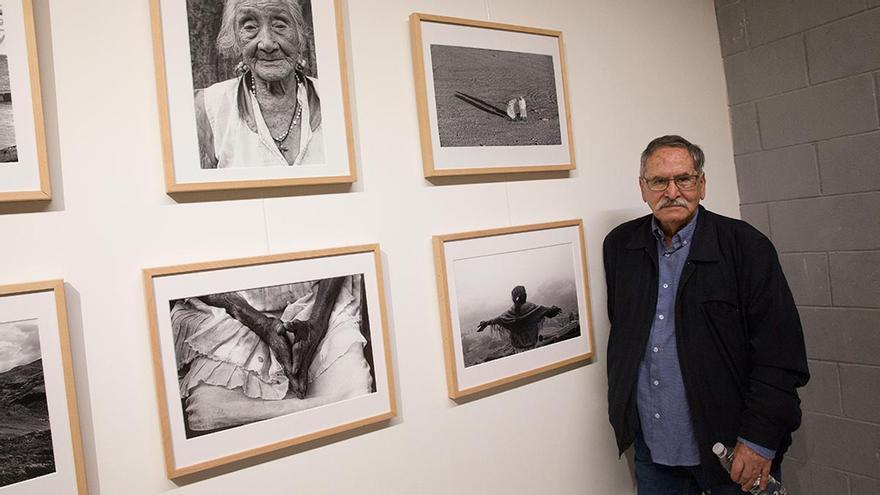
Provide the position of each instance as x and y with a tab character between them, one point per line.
227	41
673	141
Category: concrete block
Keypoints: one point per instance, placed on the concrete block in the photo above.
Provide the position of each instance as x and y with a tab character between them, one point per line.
826	224
775	175
807	276
839	334
731	27
826	481
796	475
850	164
819	112
855	278
874	3
766	70
822	392
863	486
744	126
757	216
770	20
859	390
844	48
842	444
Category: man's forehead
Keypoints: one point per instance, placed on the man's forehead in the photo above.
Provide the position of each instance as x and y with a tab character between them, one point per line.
669	156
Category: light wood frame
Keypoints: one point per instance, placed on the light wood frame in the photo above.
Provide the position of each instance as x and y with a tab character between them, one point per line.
172	185
56	287
422	99
149	275
44	190
455	389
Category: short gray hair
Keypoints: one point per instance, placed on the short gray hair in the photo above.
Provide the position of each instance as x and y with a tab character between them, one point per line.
673	141
227	41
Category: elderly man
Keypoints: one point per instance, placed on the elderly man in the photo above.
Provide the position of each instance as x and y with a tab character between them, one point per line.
706	344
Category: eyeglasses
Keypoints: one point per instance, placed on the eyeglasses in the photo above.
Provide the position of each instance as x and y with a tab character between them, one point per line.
683	182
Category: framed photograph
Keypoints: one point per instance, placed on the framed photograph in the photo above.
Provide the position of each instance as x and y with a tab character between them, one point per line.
492	98
254	355
24	167
40	445
514	302
252	93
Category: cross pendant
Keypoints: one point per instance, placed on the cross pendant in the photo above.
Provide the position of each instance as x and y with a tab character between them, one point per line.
283	148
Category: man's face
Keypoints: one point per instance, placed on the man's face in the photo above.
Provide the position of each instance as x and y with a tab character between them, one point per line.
672	207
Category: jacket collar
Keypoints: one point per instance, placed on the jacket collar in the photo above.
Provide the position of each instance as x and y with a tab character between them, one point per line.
703	248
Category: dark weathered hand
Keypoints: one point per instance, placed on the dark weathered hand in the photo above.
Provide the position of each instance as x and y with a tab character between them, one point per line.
748	467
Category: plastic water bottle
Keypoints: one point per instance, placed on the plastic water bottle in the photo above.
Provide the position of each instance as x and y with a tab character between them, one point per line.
725	457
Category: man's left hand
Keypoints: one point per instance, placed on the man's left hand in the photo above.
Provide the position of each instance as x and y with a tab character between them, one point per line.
748	467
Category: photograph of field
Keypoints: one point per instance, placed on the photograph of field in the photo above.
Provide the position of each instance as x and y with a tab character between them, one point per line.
25	435
494	97
523	300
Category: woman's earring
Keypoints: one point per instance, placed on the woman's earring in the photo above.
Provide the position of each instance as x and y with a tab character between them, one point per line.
241	68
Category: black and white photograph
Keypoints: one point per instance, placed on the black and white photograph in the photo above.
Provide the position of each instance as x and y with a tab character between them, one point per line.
260	111
24	166
256	83
40	445
514	303
491	97
494	97
8	149
257	354
25	432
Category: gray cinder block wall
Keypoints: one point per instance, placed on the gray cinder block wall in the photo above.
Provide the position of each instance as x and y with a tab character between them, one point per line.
803	79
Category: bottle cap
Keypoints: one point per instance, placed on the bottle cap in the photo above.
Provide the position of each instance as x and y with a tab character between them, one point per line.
719	449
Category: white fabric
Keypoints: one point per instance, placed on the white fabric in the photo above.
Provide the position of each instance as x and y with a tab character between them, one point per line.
236	145
222	351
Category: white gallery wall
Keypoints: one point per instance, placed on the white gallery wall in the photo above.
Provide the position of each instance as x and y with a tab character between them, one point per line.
636	70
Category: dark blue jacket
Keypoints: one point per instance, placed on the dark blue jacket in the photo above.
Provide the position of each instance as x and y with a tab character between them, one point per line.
738	334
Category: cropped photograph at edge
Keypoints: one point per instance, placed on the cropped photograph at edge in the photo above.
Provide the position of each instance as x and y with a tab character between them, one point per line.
8	148
261	353
494	97
255	83
514	302
25	433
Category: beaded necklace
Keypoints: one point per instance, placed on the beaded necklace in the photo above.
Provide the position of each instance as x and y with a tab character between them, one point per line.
294	120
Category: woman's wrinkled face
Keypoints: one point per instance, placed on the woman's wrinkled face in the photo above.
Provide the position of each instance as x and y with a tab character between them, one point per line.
267	36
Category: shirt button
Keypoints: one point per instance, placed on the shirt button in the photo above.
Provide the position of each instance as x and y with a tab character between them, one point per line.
657	415
656	382
667	255
661	317
665	286
684	242
656	349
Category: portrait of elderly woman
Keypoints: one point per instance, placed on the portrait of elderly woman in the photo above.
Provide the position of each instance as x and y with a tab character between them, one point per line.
256	354
257	101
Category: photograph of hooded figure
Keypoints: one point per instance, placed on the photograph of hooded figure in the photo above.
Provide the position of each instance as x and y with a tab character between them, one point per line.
540	310
255	83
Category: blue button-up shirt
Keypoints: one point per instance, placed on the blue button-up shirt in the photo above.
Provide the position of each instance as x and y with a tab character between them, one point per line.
662	404
663	409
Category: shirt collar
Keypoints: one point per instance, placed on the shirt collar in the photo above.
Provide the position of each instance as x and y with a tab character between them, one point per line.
681	238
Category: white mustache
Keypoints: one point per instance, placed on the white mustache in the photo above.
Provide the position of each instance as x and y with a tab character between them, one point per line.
666	202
